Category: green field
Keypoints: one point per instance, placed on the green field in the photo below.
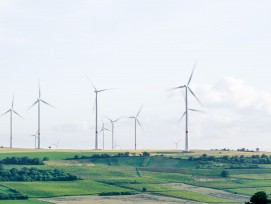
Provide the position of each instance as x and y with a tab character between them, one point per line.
133	173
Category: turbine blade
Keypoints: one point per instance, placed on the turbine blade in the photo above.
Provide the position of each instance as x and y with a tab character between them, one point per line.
93	107
91	83
194	67
195	96
139	111
107	129
47	103
109	119
5	112
33	105
103	90
139	124
118	119
17	114
179	87
39	90
12	102
182	117
195	110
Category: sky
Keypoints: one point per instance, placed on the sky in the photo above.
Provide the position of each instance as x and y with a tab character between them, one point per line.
141	49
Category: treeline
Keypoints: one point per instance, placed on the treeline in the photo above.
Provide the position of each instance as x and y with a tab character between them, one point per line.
116	193
34	174
23	161
100	156
13	195
254	159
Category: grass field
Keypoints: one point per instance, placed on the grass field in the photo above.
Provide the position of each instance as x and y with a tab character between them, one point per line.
132	174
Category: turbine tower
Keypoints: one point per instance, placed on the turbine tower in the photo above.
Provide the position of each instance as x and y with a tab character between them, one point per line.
38	101
136	122
96	91
112	130
187	89
102	130
11	111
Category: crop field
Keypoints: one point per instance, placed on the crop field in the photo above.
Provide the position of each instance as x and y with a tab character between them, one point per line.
163	175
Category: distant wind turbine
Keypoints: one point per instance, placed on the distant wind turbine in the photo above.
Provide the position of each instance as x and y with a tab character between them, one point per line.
112	130
188	89
38	101
35	137
11	111
102	130
176	144
56	144
136	122
96	91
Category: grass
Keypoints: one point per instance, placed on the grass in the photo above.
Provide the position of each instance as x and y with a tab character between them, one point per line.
119	174
23	202
65	188
183	194
250	191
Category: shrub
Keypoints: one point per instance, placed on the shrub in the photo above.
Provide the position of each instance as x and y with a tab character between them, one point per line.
225	173
146	154
144	189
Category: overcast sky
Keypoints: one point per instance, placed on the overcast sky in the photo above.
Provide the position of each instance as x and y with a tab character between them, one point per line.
141	48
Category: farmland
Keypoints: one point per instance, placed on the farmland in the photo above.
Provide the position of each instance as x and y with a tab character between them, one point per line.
161	175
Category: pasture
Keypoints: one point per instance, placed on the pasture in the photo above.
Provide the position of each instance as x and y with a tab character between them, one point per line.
168	174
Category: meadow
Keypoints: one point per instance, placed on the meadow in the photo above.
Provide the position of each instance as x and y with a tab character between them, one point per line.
158	175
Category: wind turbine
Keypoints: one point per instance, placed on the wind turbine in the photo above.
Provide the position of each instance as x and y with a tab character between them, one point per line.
11	111
96	91
56	144
177	144
38	101
112	130
102	130
188	89
35	137
136	122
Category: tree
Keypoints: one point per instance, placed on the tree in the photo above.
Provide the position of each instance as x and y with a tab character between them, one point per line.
225	173
259	198
257	149
146	154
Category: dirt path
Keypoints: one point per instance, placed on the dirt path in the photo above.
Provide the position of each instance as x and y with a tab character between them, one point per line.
209	191
134	199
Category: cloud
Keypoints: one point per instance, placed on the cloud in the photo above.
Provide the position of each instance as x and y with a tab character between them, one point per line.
231	92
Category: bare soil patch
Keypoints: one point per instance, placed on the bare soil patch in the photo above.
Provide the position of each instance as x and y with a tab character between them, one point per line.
134	199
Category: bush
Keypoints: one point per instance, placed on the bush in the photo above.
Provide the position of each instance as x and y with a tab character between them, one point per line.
21	161
144	189
116	193
13	196
34	174
146	154
225	173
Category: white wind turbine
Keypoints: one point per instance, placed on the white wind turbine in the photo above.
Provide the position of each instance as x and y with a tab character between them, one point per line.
35	137
112	130
11	111
176	144
102	130
187	89
38	101
96	91
136	122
